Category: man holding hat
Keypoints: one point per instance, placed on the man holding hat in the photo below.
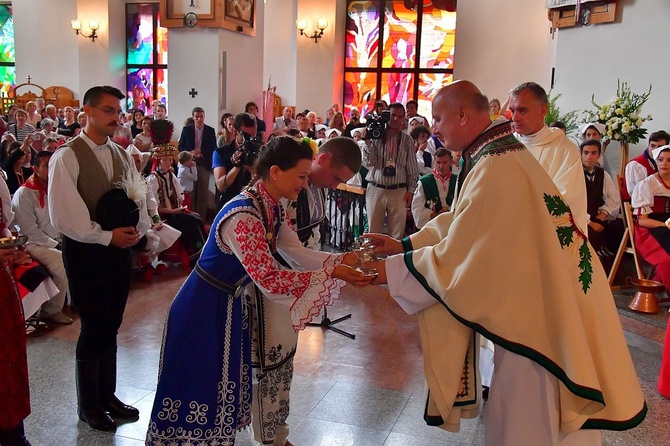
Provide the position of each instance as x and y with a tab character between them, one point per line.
97	257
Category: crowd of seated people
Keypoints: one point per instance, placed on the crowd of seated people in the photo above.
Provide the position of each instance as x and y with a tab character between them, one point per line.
28	139
43	127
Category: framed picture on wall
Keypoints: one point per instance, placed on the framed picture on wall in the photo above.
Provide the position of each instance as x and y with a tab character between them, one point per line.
240	16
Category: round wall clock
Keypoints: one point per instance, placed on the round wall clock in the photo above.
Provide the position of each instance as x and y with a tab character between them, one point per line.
191	19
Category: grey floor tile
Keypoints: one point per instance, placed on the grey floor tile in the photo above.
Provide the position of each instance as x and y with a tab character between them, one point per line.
43	434
397	439
361	406
324	411
137	368
306	393
313	432
97	438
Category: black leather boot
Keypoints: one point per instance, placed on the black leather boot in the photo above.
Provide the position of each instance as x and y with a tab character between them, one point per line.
14	437
88	397
108	400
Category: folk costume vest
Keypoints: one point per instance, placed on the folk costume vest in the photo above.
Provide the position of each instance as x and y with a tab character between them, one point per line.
429	183
595	182
92	182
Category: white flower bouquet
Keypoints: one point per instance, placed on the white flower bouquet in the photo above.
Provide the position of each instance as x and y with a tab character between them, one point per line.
622	115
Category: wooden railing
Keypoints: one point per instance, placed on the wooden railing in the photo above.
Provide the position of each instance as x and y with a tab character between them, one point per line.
345	217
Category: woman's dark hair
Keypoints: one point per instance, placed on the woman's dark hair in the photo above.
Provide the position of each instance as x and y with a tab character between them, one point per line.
284	152
15	154
418	131
559	125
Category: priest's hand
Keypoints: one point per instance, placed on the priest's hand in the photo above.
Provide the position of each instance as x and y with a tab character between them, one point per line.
380	271
384	244
353	276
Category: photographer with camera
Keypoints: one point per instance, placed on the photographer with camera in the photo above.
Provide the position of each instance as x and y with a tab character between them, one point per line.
393	170
233	163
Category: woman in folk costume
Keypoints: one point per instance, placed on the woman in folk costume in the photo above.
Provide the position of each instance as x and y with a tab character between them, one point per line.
168	192
204	384
651	204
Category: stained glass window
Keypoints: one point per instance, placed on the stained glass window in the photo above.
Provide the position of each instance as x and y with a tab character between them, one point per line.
7	52
146	57
397	50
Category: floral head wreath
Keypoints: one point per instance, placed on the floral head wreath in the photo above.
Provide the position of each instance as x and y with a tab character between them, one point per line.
311	144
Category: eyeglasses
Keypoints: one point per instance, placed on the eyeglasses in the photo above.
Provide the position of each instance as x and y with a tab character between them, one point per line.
109	111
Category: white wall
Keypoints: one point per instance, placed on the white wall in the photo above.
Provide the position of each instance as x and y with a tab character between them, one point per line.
74	62
280	40
244	78
502	44
34	32
590	59
196	62
199	51
316	61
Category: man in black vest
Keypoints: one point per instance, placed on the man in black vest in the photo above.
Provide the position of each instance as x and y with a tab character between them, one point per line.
602	204
97	260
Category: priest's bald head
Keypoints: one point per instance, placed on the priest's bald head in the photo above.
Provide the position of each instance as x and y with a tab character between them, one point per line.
460	113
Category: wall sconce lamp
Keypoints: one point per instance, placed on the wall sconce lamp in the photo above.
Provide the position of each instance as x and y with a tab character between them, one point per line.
301	25
93	25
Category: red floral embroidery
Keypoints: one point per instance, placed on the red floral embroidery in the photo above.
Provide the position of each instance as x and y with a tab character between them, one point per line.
260	264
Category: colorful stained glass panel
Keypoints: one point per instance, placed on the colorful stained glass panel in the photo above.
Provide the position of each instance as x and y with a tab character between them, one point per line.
399	36
140	86
161	80
7	79
140	34
162	43
438	38
7	51
362	38
360	91
397	87
429	84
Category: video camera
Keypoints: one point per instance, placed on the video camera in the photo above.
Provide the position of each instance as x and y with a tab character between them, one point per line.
249	149
376	124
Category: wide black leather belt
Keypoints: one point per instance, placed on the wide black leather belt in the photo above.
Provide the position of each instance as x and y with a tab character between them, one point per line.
235	291
391	187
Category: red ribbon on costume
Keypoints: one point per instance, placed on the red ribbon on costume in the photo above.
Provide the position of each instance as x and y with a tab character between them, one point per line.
34	183
444	180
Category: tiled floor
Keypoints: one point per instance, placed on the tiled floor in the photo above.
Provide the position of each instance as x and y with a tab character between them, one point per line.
361	392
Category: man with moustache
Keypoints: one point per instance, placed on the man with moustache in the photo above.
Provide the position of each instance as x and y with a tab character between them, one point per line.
97	261
509	262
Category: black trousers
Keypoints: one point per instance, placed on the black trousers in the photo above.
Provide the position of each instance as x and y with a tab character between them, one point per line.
99	278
